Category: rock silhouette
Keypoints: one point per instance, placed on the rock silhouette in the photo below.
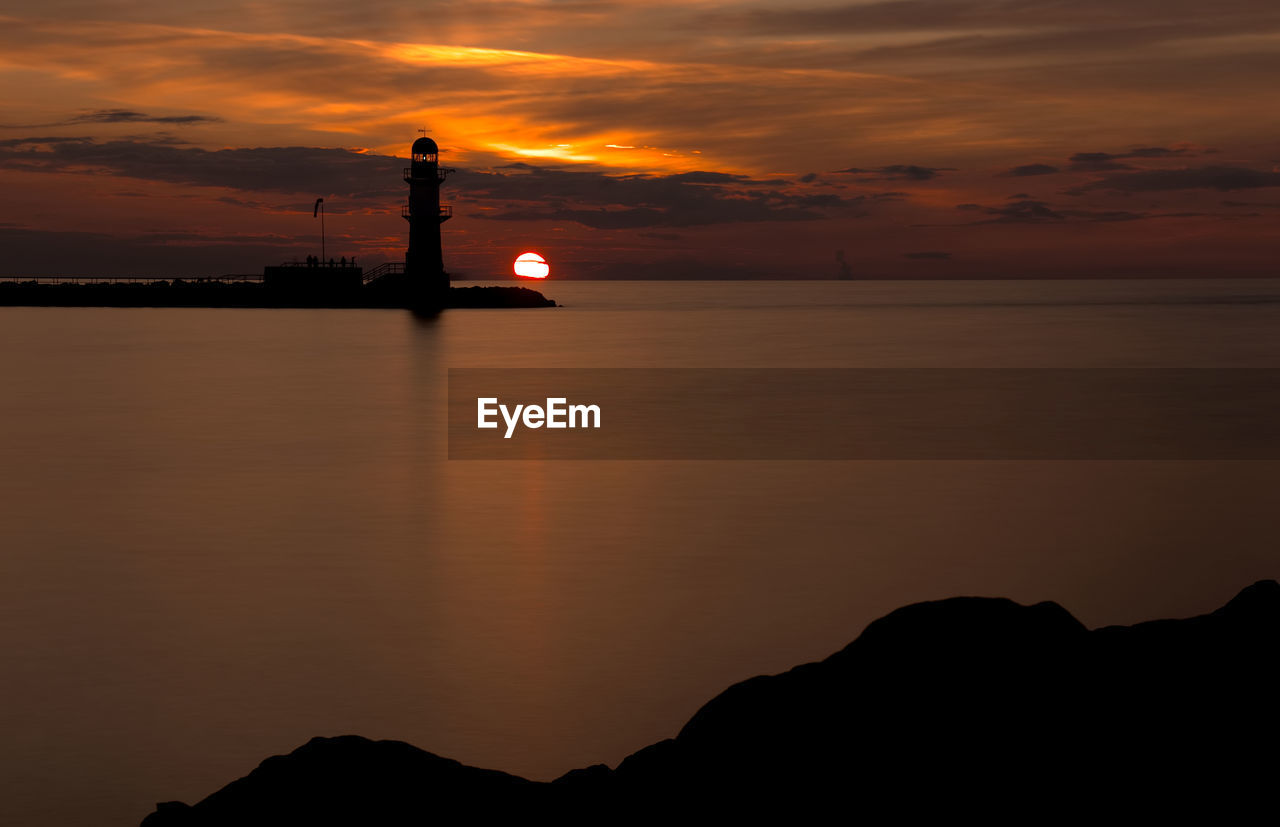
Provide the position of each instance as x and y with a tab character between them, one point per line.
967	707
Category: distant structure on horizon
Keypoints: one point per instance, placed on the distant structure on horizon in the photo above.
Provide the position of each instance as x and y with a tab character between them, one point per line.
846	271
424	260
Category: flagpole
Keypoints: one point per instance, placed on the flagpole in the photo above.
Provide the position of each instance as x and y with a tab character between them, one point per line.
319	208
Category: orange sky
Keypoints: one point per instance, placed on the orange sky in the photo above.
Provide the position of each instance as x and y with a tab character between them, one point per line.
943	138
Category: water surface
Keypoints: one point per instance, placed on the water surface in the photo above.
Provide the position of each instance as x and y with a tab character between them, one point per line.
225	531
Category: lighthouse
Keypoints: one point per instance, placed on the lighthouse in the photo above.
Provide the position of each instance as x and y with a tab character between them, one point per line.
424	260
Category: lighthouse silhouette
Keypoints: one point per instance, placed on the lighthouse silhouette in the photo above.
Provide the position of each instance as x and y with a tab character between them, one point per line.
424	260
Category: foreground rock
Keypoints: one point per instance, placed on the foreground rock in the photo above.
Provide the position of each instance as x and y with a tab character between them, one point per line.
968	707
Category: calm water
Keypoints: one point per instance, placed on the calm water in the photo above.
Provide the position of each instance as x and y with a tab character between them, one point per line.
225	531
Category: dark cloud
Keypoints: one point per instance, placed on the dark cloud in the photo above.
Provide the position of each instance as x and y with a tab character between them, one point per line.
329	172
603	201
1030	211
110	116
898	172
1221	178
715	211
701	177
928	254
128	116
977	15
1020	195
30	252
1266	205
809	178
204	239
1096	162
1106	161
33	143
994	29
1153	152
1023	212
1031	169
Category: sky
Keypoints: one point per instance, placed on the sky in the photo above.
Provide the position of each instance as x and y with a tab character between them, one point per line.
901	139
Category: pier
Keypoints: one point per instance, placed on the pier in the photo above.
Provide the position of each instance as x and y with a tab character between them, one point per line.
418	283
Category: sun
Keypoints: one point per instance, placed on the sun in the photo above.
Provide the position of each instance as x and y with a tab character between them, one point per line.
531	266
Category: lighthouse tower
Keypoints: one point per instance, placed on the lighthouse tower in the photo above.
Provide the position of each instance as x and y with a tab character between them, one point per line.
424	260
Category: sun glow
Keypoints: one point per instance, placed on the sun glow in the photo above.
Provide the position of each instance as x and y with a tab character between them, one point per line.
531	266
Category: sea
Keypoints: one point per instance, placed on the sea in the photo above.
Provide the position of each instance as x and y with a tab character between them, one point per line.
226	531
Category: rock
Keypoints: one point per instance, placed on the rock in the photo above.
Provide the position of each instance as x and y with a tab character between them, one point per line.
495	296
353	780
961	708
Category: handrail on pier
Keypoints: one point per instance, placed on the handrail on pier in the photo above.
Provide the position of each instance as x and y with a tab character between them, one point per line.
391	268
159	281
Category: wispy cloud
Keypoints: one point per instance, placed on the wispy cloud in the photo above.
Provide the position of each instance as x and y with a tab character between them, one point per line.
1032	211
690	199
1031	169
897	172
114	116
1220	178
260	169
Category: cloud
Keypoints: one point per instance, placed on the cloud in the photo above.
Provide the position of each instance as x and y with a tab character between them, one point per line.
606	201
690	213
1266	205
1030	211
586	196
128	116
983	28
1031	169
1103	161
256	169
32	143
1023	212
1096	162
112	116
27	253
1221	178
928	254
971	15
898	172
701	177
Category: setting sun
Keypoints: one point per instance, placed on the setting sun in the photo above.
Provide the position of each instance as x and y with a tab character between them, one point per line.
531	266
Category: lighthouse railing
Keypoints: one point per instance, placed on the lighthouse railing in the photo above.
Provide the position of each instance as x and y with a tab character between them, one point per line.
441	174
